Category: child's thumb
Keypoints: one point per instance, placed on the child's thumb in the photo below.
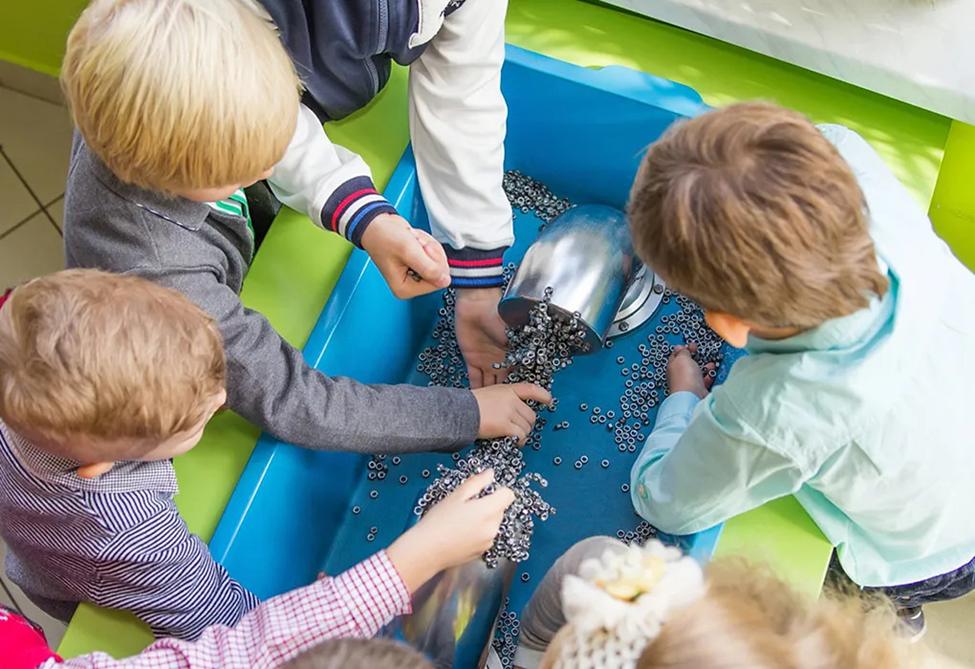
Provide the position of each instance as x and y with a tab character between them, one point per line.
475	484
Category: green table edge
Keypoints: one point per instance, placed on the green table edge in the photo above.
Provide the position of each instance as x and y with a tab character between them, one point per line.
298	265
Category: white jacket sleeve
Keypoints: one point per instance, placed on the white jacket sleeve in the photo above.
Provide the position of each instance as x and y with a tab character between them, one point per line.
328	182
457	124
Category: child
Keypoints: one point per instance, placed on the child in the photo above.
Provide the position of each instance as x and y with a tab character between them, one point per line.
606	605
803	248
103	379
178	104
357	603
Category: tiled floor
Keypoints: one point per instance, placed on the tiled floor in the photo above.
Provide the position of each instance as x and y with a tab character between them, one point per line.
35	140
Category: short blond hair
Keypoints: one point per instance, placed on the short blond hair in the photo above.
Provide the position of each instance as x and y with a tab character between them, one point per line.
85	353
750	211
181	94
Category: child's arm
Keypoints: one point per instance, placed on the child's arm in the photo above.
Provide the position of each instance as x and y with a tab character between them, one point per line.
162	573
703	464
357	603
457	125
270	384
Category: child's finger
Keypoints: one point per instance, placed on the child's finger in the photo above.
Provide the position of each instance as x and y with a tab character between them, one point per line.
499	500
475	484
432	270
526	413
435	252
522	423
475	377
530	391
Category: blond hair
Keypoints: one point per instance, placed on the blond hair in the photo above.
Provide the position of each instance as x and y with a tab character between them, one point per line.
85	353
181	94
360	654
750	211
750	618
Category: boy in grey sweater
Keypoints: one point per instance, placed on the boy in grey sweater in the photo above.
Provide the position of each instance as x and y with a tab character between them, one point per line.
179	106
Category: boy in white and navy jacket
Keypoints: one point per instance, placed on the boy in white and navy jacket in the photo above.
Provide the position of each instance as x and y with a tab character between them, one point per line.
181	103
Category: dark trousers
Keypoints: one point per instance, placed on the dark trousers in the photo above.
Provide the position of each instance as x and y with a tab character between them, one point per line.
263	207
952	585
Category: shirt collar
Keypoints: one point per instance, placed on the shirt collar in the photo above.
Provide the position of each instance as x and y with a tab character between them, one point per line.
179	210
125	476
836	333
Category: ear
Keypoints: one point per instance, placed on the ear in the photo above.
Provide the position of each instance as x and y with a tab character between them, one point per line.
730	328
94	470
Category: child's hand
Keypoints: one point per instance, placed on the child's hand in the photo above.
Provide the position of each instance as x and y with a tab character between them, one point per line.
683	373
454	532
480	334
412	262
504	412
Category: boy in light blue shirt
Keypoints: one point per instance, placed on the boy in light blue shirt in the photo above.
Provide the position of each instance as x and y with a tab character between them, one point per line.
804	249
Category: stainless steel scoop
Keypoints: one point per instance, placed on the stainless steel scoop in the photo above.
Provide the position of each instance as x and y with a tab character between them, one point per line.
586	257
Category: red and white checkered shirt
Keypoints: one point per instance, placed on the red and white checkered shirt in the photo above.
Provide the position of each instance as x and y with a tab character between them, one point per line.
357	603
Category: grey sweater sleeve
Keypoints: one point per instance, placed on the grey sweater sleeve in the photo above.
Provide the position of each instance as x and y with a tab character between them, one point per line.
270	384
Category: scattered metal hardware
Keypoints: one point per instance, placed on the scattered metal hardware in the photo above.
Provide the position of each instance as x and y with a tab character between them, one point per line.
536	351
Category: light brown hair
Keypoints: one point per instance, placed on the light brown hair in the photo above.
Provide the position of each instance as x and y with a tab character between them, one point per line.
181	94
360	654
750	618
750	211
85	353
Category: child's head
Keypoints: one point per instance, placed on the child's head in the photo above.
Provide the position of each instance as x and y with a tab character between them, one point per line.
752	213
660	616
360	654
187	97
749	618
98	367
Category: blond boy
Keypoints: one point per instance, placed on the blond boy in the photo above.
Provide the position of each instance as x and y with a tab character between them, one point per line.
804	249
181	103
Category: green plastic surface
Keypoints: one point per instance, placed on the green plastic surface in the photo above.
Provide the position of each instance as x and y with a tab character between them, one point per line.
953	205
33	33
298	264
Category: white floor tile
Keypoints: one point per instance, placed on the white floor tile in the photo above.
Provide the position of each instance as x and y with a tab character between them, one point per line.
36	135
33	249
16	204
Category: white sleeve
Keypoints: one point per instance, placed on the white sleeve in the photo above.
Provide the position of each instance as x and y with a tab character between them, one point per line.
457	125
326	181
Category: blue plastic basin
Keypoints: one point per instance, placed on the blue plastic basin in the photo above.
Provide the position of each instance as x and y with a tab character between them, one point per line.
581	132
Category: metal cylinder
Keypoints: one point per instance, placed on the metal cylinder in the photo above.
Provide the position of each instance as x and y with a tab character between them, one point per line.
586	257
454	613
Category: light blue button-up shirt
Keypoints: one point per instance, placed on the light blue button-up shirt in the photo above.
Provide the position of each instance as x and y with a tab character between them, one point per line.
869	419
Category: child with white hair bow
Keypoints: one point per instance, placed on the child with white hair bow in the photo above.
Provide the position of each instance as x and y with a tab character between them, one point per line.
607	605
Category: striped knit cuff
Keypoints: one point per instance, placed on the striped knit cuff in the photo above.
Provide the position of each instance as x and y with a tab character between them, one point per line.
352	207
474	268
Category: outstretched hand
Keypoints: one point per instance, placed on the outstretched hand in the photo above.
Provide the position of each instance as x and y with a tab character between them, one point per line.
481	334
